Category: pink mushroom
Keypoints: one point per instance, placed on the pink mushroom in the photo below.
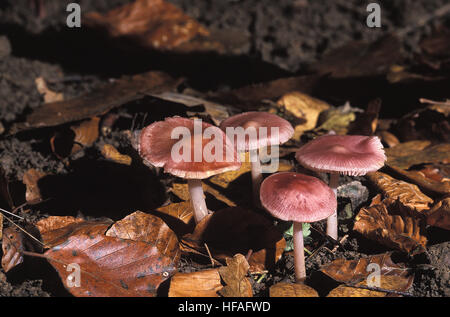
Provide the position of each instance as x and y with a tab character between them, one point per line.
299	198
160	144
353	155
269	130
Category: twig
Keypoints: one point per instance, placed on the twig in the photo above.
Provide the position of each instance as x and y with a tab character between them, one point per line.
249	254
344	238
379	289
209	254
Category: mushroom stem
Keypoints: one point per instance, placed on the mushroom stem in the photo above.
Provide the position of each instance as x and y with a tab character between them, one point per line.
256	176
197	199
332	221
299	253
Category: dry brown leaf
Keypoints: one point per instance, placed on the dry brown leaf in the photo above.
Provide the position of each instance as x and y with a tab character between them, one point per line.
49	95
337	119
237	230
153	24
111	95
393	283
366	123
235	277
439	215
12	246
292	290
55	230
31	178
150	229
405	155
86	133
408	195
427	184
196	284
178	216
110	267
182	192
354	271
303	107
111	153
388	138
399	231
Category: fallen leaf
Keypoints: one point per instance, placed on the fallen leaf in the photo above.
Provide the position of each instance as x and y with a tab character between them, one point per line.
361	59
31	178
150	229
49	95
86	133
56	230
388	138
178	216
204	283
439	215
182	192
111	153
366	122
237	230
337	119
235	277
292	290
98	102
393	283
110	267
12	247
303	107
354	271
152	24
395	230
408	195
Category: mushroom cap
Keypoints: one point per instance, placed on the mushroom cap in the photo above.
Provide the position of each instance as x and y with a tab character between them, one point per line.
353	155
257	120
156	146
297	197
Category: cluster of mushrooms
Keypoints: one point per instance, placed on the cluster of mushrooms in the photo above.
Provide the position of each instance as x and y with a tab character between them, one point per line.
288	196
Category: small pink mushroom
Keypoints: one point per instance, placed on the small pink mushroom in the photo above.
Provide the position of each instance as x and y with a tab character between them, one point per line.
353	155
299	198
157	146
264	125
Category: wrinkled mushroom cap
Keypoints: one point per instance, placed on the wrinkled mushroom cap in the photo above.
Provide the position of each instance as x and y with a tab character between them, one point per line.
256	120
353	155
297	197
156	146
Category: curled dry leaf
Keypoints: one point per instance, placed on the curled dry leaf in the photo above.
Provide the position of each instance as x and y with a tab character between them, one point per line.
354	271
303	107
31	178
98	102
234	276
237	230
388	138
182	192
392	283
55	230
154	24
150	229
178	216
405	155
408	195
439	215
111	153
366	123
399	231
110	267
196	284
292	290
12	247
49	95
428	184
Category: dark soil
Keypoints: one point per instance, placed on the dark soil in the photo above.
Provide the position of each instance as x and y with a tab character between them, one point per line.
279	37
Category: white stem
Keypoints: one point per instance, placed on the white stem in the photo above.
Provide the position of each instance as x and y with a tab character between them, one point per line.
197	199
299	253
332	221
256	176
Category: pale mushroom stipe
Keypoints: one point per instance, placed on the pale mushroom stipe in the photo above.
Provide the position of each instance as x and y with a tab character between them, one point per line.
186	148
299	198
354	155
252	131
